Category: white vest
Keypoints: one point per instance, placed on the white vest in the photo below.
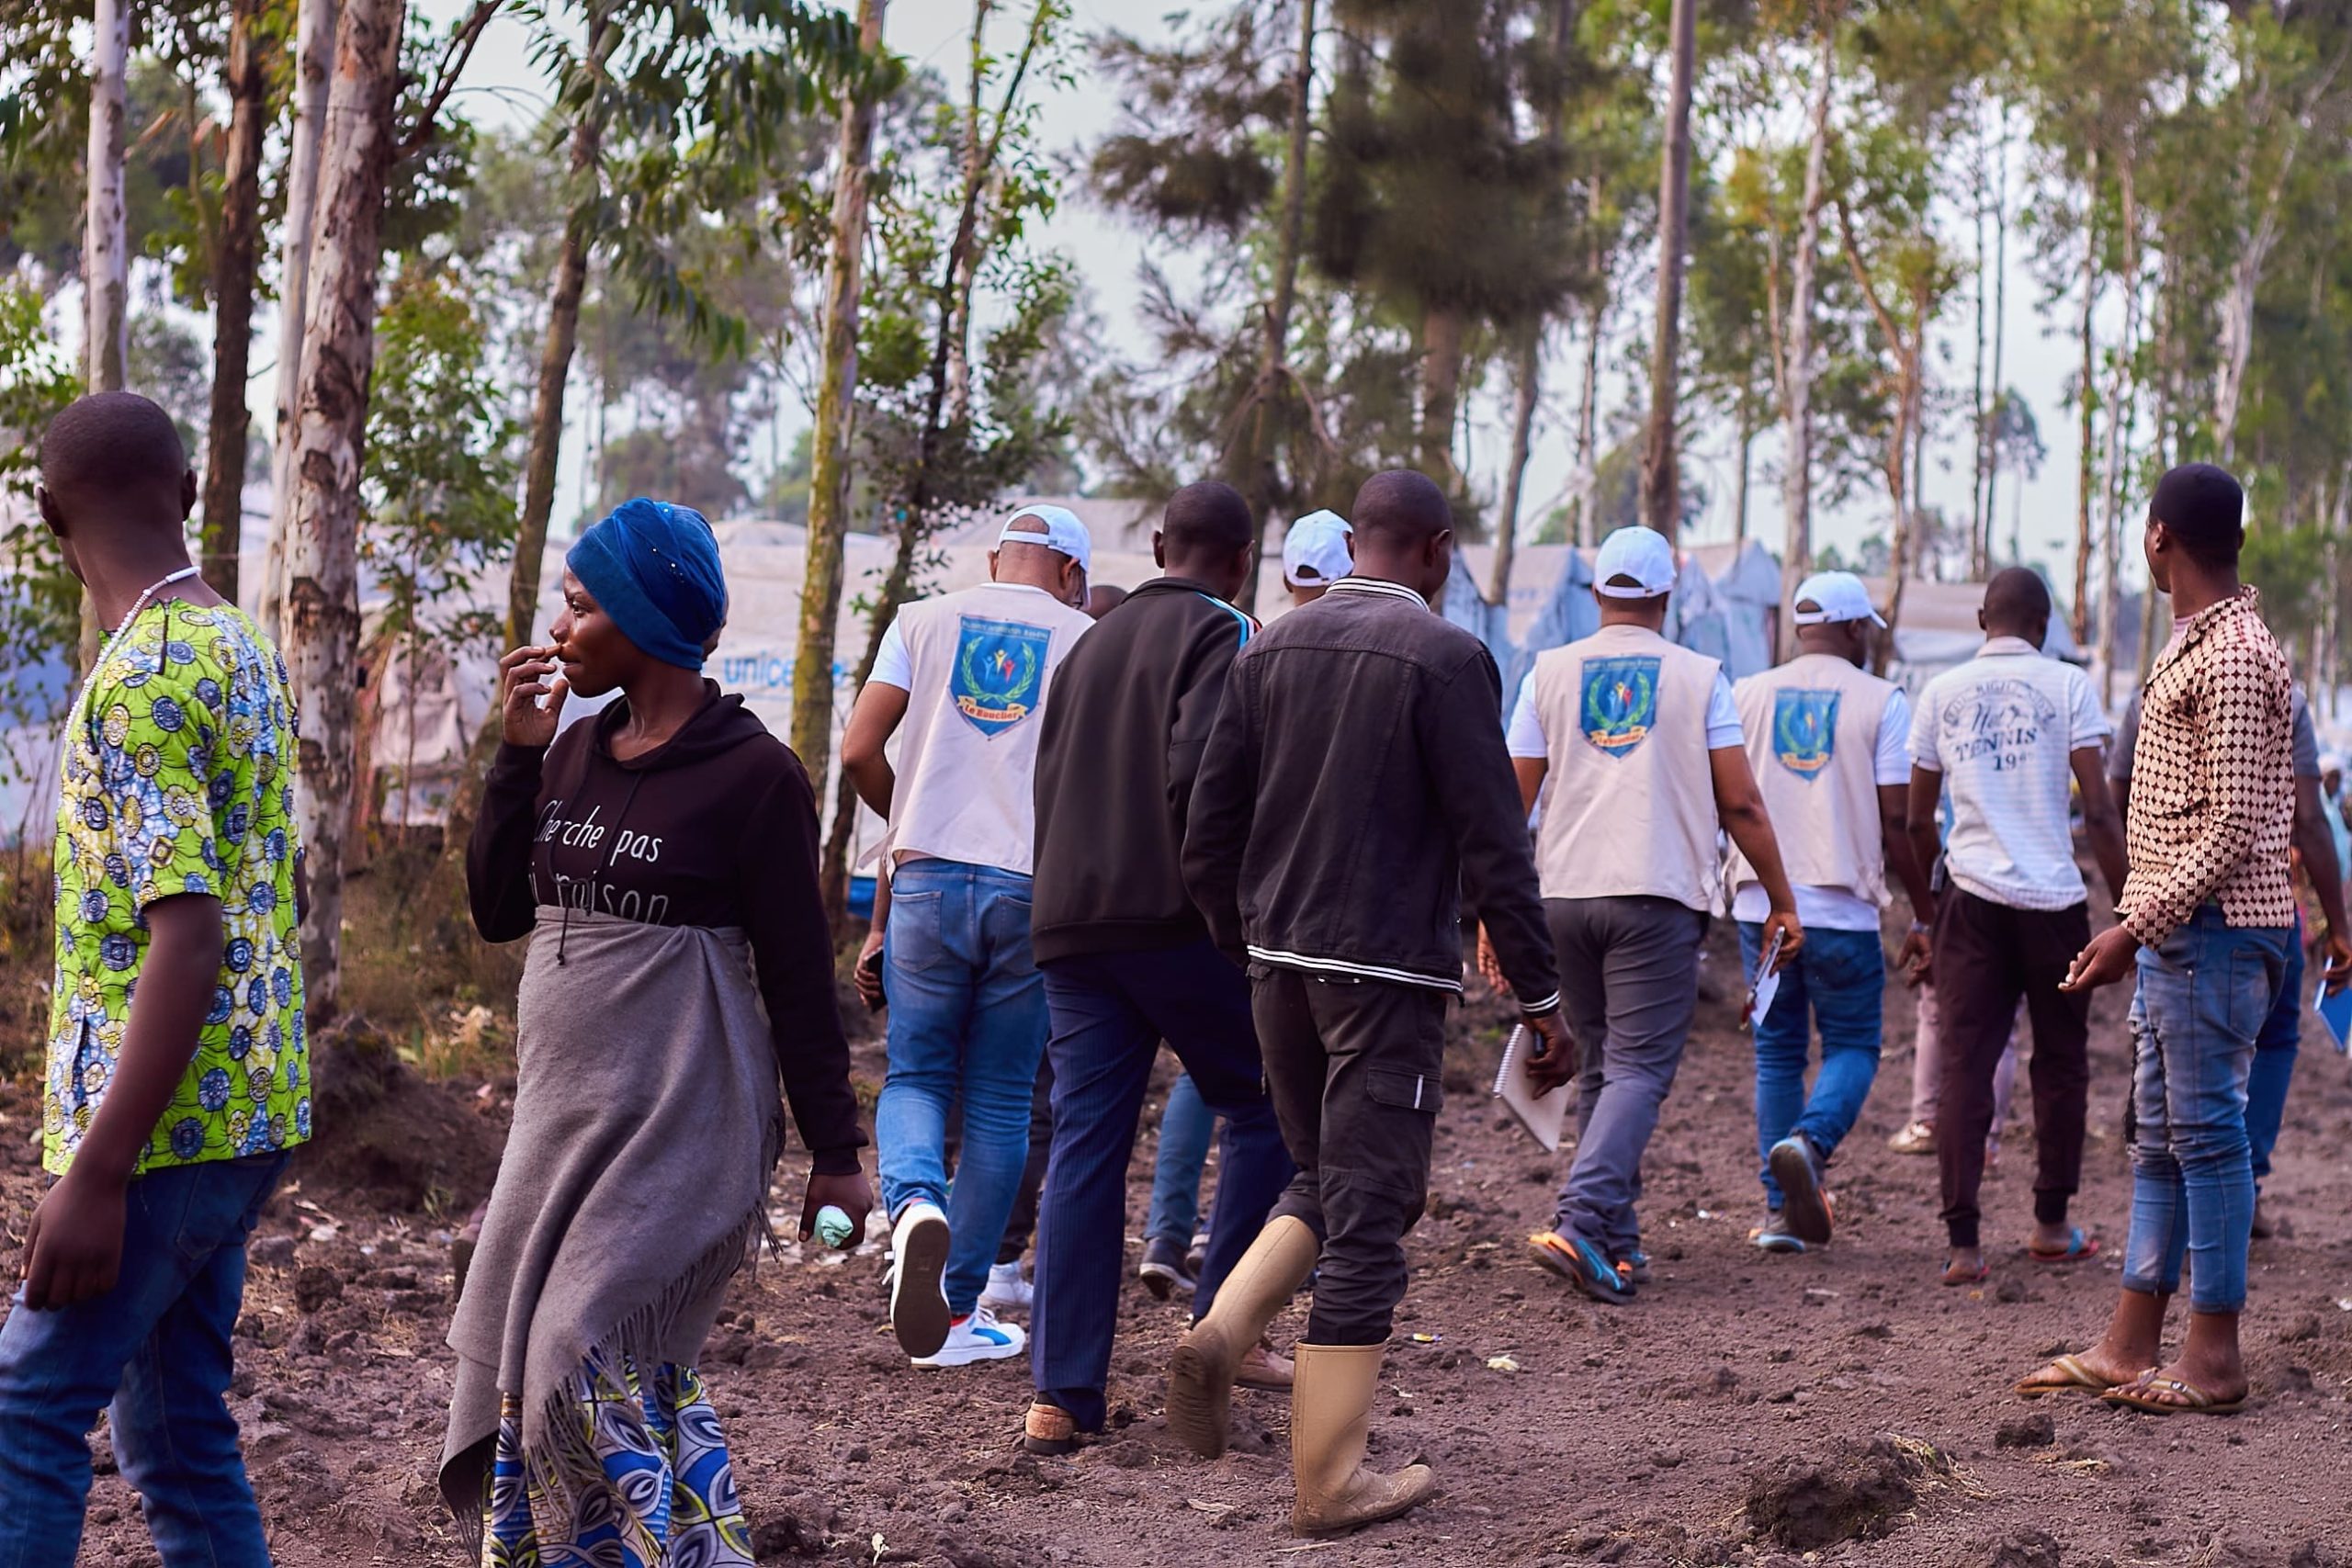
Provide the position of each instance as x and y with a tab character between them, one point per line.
1630	809
1812	728
981	664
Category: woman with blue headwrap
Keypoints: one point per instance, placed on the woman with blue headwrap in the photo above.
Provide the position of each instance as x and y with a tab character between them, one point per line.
659	856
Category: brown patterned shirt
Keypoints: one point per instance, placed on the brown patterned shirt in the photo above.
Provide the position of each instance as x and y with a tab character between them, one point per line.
2212	791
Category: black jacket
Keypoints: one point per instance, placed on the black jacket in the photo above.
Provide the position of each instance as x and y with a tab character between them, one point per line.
1356	785
715	826
1133	705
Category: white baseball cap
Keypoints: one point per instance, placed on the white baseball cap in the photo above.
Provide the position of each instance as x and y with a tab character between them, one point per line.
1063	532
1315	550
1838	596
1639	553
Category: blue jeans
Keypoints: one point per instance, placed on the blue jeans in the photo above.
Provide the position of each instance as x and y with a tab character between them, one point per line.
157	1347
1186	1125
2274	1061
2202	999
967	1021
1840	976
1111	1010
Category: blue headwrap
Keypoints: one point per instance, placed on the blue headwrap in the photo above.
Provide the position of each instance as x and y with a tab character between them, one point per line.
654	569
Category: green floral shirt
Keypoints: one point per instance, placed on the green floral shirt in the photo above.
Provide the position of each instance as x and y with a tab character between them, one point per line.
177	776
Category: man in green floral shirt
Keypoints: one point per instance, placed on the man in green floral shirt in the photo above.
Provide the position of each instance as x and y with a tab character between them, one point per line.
178	1070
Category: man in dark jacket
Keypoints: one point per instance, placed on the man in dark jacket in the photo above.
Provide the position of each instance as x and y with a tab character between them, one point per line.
1355	789
1127	958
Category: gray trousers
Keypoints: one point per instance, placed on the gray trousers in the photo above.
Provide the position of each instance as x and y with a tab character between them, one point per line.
1352	1067
1629	980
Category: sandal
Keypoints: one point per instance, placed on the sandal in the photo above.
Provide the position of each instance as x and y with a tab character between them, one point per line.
2078	1247
2194	1401
1983	1272
2074	1372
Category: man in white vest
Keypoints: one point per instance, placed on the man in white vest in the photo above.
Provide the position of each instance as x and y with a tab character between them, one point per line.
961	679
1643	744
1829	746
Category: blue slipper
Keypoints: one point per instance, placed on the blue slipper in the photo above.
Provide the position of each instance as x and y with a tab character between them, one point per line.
2078	1246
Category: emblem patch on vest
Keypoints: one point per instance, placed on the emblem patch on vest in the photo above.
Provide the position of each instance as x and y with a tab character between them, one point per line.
1804	731
1000	670
1620	702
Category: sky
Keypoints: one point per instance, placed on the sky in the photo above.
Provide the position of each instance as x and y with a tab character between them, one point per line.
502	86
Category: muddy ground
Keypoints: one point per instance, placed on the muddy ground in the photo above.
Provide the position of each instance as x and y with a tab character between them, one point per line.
1746	1409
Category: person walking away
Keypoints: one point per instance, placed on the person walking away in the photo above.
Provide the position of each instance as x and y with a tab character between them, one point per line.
1827	743
965	675
1317	552
2206	923
1644	740
1008	1288
178	1070
657	856
2280	1040
2004	732
1354	790
1127	958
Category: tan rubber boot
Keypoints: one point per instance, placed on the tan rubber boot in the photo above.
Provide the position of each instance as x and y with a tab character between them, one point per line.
1331	1409
1200	1378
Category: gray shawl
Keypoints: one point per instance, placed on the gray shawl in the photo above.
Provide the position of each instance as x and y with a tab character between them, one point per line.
647	1125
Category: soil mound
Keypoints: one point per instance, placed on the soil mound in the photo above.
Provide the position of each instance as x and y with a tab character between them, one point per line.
382	1132
1853	1491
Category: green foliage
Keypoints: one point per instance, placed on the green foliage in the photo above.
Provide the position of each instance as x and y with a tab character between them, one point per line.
438	491
39	599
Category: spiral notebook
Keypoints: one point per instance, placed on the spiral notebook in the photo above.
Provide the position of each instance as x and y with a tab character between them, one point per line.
1543	1114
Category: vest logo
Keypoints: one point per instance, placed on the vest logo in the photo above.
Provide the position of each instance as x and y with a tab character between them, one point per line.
1620	702
1000	670
1804	731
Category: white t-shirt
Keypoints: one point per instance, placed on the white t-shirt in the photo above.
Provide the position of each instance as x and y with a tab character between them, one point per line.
1836	908
2003	729
1525	732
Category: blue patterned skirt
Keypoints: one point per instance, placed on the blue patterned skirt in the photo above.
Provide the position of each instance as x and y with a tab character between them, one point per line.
672	1500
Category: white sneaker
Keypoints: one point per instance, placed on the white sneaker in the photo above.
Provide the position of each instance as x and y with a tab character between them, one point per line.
979	1338
918	1299
1007	1290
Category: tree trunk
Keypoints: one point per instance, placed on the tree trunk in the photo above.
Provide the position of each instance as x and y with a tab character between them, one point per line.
820	590
233	302
1529	372
1444	330
106	253
2000	337
2088	398
323	545
314	27
1796	482
1976	373
556	349
1911	370
2119	423
1588	470
1661	475
1747	440
1255	475
959	325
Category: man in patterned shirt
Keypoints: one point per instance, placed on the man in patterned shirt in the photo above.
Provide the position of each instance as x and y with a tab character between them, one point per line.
2207	919
165	1118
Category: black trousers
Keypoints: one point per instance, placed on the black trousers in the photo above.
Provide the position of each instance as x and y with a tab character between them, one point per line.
1987	956
1352	1067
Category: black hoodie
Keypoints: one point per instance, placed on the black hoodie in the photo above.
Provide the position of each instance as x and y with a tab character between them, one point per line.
1132	707
718	826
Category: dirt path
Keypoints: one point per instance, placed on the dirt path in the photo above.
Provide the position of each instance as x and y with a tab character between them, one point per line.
1628	1436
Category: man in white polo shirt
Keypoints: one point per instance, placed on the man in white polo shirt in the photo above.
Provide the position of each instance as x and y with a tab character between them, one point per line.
2005	731
965	675
1646	745
1317	553
1826	740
